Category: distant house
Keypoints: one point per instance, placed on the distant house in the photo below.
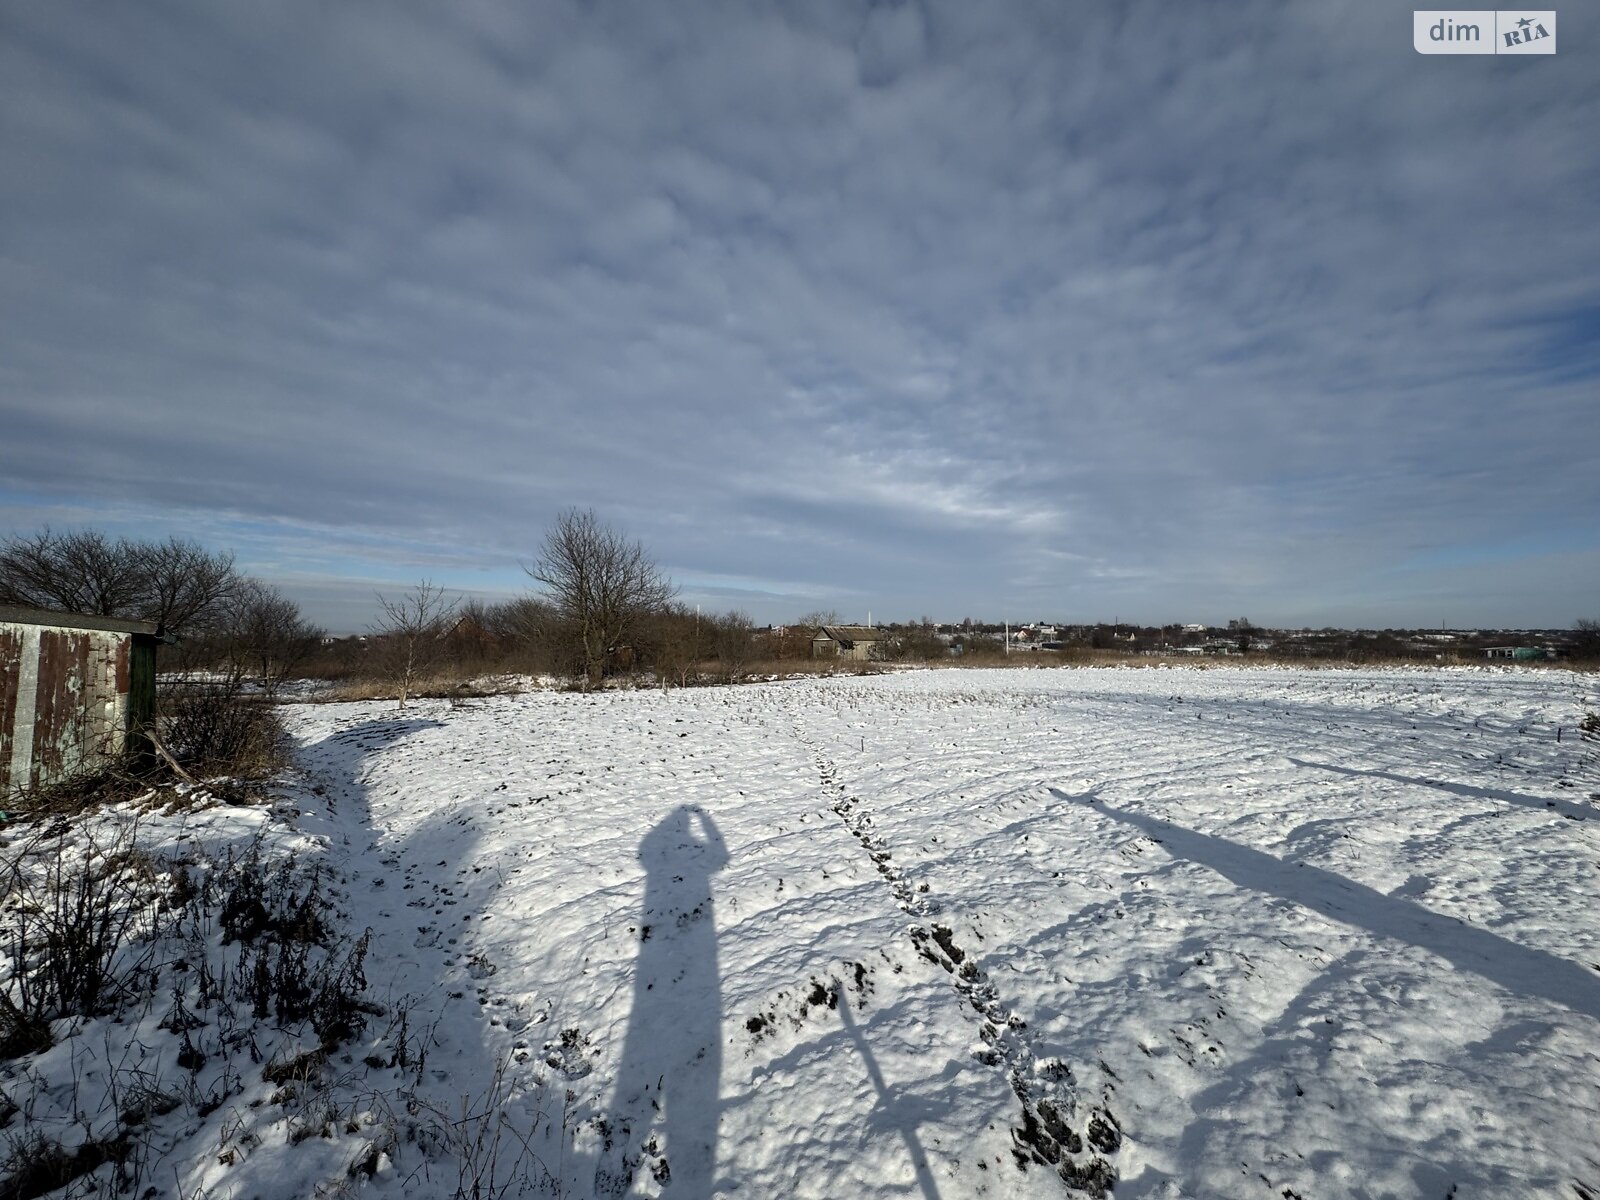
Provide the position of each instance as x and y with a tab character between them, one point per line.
1519	653
844	641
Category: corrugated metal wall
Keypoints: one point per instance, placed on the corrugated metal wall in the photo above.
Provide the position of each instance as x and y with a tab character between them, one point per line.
66	699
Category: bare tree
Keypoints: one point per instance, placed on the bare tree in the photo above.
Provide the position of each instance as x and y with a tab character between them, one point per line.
734	638
1586	638
264	636
413	628
914	641
82	572
679	642
922	640
1243	631
472	640
601	584
187	584
525	619
535	635
176	583
980	643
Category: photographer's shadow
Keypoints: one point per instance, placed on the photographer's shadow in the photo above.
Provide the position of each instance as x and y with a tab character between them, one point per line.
666	1101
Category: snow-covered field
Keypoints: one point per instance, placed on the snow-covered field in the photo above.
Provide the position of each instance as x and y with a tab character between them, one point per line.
1203	933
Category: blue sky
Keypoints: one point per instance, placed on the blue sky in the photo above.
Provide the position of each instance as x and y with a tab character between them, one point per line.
1154	311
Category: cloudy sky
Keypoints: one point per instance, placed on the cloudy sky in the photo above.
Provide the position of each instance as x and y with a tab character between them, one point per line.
1159	311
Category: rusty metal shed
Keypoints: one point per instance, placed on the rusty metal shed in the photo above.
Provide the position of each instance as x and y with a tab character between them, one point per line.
75	692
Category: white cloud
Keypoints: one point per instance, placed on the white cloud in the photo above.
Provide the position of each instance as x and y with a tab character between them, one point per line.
1239	306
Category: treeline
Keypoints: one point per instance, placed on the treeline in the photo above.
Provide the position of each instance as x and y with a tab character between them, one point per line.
599	608
602	609
215	617
977	643
673	644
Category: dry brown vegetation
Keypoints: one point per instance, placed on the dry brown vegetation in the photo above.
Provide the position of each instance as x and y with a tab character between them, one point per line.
522	668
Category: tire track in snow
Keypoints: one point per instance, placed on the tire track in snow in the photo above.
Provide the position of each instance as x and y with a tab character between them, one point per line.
1045	1087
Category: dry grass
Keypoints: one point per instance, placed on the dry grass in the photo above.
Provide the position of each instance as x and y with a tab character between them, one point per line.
790	667
460	683
230	742
352	690
442	685
80	793
72	904
220	730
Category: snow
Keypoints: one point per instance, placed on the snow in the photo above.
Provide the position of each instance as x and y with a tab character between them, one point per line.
1242	932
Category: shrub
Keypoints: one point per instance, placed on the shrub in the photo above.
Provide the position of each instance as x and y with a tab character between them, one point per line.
67	928
215	728
291	964
35	1166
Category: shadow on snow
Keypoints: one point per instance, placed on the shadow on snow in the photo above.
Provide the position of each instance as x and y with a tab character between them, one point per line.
1518	969
1566	808
671	1063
